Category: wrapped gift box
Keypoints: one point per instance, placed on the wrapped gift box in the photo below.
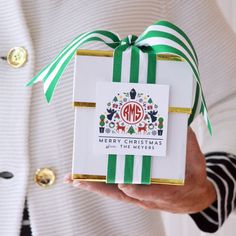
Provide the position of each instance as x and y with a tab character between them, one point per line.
96	66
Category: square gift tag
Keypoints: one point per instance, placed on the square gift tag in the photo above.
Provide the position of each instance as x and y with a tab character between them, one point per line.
131	119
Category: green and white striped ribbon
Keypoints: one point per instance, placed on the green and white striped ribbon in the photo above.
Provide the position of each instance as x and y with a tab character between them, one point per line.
130	169
162	37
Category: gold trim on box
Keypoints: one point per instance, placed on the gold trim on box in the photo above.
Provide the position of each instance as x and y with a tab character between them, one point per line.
171	109
180	110
84	104
102	53
102	178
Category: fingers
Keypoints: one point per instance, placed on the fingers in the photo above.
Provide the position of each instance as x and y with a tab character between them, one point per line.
147	193
193	147
147	196
195	160
68	178
106	190
126	193
99	188
142	193
133	191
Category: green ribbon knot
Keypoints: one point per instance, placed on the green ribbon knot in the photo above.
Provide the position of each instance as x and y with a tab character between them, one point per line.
129	40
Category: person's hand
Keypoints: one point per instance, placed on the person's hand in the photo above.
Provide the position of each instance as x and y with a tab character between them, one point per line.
196	194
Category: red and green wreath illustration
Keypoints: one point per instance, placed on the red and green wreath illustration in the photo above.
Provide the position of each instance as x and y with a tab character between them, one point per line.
131	113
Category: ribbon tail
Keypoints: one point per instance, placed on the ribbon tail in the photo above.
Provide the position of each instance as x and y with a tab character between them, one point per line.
43	76
36	78
51	74
206	118
40	77
165	37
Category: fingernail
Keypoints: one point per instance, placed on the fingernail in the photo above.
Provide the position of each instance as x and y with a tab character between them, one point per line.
67	178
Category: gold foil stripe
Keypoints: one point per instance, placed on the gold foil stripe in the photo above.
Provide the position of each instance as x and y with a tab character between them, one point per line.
101	178
101	53
84	104
171	109
97	53
180	110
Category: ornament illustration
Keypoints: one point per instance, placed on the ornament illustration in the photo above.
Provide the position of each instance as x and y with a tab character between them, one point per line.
115	99
131	130
117	116
153	115
131	113
142	128
107	130
111	113
111	125
151	126
160	126
102	124
120	127
132	93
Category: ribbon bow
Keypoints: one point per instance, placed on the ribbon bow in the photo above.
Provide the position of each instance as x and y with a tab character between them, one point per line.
162	37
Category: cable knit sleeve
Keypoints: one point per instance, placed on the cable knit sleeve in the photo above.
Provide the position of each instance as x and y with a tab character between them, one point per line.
215	43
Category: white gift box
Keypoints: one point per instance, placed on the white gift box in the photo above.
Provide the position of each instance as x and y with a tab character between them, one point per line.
96	66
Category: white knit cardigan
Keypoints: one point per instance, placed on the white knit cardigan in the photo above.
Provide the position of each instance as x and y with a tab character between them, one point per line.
34	134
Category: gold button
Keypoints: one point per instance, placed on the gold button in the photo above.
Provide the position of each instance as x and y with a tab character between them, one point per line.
44	177
17	57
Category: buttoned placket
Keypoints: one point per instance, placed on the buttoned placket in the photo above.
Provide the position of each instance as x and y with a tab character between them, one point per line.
16	69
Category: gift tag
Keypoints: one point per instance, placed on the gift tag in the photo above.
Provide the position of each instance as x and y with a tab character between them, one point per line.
131	119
